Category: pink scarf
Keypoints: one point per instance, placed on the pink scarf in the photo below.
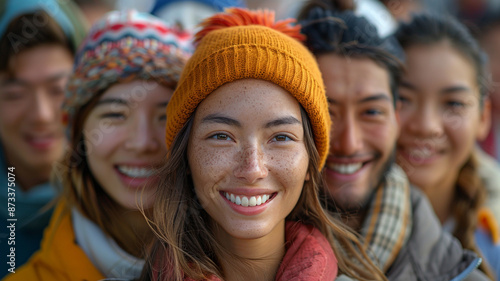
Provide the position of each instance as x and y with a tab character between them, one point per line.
308	256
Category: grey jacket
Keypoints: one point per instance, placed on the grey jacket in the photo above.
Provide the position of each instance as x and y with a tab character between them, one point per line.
431	253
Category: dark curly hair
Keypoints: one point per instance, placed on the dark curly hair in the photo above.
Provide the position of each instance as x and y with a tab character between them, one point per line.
334	28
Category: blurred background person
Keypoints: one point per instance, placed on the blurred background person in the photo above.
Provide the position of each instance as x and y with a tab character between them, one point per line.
37	45
444	111
189	13
93	10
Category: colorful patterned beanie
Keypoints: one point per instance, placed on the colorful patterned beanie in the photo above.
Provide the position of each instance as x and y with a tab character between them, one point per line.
242	44
121	47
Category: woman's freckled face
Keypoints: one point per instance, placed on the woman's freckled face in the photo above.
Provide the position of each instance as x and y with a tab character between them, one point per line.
247	140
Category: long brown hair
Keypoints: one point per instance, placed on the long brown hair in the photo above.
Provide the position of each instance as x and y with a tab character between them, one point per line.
185	244
81	189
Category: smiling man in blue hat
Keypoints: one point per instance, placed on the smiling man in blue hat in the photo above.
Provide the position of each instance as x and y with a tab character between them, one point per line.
37	43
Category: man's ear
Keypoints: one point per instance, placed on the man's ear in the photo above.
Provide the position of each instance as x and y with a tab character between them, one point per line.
484	120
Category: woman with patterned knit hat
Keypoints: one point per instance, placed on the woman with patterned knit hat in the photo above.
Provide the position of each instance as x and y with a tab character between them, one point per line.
124	75
247	131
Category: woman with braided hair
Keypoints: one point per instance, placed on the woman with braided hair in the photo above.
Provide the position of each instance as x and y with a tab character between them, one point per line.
444	111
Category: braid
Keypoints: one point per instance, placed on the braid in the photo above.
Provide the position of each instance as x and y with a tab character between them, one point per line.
469	198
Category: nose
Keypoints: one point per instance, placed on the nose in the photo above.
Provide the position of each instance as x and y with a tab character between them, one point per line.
143	137
251	165
347	138
44	109
425	122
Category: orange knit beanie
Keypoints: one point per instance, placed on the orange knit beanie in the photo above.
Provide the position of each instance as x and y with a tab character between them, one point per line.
245	44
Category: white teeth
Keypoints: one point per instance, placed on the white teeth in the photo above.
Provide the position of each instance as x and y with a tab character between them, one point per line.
345	168
245	201
420	153
252	202
136	172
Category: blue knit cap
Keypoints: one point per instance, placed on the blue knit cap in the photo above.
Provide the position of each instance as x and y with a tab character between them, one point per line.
10	9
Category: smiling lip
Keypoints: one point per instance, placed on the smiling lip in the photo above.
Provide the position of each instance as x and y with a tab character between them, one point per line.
346	177
249	210
41	143
418	160
346	169
131	181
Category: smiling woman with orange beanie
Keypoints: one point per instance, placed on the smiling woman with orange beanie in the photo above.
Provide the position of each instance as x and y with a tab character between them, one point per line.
248	132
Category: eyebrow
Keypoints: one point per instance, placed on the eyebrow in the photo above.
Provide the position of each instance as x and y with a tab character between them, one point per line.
289	120
455	89
112	101
214	118
16	81
124	102
447	90
375	97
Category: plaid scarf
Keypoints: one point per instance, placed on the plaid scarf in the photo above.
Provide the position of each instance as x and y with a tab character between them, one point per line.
388	224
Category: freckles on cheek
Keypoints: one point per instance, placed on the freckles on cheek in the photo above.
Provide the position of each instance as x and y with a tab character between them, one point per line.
209	166
290	168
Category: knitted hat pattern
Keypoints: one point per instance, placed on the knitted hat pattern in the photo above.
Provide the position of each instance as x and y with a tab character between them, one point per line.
121	47
245	44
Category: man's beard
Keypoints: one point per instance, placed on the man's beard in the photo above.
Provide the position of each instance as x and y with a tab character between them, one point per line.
362	205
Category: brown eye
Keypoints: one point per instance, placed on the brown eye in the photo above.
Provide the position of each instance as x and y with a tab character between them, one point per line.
281	138
221	136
